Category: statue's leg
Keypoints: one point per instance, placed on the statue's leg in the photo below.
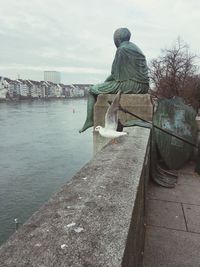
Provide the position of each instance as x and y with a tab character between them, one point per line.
90	112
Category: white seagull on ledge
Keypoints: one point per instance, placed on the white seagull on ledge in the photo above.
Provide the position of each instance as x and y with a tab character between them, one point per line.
111	120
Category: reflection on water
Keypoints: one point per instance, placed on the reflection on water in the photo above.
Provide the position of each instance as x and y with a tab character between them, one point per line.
40	150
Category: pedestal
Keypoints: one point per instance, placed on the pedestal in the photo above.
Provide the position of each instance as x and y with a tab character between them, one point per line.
139	104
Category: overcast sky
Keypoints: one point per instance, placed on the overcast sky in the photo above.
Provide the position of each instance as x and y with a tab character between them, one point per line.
75	37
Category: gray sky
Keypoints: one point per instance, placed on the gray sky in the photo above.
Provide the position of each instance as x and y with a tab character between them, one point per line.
75	37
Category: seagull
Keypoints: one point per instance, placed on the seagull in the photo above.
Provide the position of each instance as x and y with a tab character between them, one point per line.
111	120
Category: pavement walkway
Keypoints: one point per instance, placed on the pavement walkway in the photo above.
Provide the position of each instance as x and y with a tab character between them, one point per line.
173	222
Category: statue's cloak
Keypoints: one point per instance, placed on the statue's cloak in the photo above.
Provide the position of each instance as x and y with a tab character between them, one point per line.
130	64
129	72
177	117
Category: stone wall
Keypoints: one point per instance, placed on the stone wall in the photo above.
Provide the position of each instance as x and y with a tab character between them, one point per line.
96	220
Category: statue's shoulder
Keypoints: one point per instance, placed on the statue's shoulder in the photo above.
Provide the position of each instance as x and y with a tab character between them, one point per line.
129	46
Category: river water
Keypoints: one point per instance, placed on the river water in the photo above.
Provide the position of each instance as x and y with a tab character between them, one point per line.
40	150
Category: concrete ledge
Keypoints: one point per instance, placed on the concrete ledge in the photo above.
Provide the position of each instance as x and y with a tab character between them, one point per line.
96	219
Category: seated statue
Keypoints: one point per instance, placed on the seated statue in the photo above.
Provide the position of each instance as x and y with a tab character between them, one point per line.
129	73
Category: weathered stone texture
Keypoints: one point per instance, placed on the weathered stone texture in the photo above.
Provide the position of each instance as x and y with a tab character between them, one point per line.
95	220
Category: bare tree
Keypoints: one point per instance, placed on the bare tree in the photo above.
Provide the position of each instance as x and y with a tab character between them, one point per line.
174	73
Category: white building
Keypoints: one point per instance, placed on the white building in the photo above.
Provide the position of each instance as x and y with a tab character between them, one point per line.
58	91
52	76
23	88
3	89
34	89
76	91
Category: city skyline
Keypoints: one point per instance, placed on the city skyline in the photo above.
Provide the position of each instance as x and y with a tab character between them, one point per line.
28	89
75	38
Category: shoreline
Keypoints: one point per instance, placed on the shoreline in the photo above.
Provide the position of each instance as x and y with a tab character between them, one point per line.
7	100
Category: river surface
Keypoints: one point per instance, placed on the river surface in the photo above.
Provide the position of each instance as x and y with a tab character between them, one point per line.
40	150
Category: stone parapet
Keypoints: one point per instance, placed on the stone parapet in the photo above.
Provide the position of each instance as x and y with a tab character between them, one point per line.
96	220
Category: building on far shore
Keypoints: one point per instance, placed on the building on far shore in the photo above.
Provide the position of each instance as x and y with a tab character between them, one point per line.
28	89
52	76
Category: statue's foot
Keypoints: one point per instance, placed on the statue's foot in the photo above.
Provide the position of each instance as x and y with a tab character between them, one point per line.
87	125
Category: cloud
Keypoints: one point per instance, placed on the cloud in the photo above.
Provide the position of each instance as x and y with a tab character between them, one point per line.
77	36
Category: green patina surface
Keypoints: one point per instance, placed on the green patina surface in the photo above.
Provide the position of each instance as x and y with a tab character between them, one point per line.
174	134
177	117
129	73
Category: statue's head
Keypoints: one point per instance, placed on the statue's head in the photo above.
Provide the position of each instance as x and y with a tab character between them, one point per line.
121	35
